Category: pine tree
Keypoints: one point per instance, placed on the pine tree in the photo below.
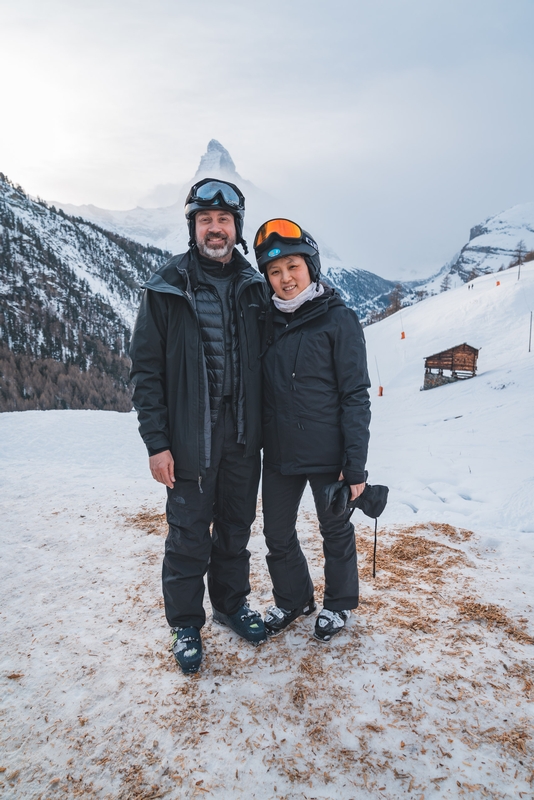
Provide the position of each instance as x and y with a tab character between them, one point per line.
395	299
446	283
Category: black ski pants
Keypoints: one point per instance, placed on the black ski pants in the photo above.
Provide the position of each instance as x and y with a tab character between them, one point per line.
292	584
228	499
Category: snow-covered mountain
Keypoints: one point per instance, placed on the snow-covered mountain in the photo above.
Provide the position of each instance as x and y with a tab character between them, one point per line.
70	280
364	291
492	246
493	243
166	227
69	292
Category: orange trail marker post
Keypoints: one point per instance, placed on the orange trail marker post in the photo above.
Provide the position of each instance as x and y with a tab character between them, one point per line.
403	335
380	388
497	283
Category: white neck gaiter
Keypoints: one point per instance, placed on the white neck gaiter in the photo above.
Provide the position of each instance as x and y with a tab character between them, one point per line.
309	293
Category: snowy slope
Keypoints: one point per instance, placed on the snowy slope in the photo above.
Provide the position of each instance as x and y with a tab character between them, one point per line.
466	447
428	692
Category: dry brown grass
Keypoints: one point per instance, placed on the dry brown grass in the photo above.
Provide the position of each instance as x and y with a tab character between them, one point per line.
412	553
493	617
150	521
425	657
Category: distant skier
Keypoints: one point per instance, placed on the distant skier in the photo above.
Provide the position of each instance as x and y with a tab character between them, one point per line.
316	415
197	377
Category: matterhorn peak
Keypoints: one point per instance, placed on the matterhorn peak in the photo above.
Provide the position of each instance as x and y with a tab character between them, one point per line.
216	160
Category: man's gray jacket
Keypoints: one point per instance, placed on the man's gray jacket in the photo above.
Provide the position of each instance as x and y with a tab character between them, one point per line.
169	372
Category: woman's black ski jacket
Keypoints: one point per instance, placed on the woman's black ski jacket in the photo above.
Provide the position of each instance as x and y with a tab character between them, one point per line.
316	408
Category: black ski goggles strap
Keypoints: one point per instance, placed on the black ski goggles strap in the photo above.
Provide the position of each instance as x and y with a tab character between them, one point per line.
280	229
207	192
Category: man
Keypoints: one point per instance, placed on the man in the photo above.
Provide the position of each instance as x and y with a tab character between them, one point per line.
197	391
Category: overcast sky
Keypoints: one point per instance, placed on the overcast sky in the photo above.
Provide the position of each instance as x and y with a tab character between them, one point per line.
392	125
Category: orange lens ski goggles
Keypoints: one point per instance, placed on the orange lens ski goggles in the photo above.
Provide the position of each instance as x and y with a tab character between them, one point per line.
283	228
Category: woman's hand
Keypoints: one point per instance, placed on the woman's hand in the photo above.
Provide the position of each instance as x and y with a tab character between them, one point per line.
355	488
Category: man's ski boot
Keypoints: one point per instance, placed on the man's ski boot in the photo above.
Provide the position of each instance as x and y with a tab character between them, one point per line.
328	623
186	646
246	623
277	619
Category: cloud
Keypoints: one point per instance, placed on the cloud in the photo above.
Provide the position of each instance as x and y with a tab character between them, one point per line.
391	127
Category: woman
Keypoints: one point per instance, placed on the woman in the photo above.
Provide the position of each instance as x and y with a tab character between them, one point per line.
316	425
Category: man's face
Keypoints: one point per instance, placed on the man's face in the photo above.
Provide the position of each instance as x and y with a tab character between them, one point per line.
215	234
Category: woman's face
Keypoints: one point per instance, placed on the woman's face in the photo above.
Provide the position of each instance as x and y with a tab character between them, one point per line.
288	276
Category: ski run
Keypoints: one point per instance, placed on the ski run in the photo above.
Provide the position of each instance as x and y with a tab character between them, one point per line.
427	693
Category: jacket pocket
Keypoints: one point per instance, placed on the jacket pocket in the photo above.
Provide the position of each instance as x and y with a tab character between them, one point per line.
300	349
317	442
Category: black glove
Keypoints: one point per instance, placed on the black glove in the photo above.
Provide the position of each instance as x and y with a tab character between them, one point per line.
372	500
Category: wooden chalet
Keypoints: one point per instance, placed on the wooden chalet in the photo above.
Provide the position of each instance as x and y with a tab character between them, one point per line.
460	362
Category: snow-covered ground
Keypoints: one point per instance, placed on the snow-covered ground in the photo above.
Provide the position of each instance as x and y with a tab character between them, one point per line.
428	692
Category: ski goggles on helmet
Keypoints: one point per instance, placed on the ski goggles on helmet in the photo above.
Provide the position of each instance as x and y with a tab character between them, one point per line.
207	192
280	229
285	230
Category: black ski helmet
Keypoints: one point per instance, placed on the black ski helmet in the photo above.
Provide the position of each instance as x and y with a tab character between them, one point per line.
275	245
215	193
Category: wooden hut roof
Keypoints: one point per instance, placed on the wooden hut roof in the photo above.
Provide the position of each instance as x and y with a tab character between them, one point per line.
459	348
462	357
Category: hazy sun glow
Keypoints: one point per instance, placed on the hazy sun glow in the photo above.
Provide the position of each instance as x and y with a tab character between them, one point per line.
398	125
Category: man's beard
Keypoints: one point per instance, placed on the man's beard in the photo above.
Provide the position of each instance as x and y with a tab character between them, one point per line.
216	247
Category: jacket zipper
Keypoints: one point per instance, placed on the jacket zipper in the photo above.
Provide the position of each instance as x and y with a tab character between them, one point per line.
193	308
294	373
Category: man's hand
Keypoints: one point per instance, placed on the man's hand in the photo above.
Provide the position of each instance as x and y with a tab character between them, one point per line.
355	488
162	468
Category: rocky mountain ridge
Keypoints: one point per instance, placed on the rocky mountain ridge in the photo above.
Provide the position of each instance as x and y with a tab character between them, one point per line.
493	243
69	292
492	247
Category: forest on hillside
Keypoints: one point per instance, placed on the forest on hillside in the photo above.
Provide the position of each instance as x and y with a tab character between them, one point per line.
68	294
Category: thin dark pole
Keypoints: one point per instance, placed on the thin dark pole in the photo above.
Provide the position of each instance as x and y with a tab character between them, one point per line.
377	372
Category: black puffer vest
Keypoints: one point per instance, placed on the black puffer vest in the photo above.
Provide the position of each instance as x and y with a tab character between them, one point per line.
210	314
